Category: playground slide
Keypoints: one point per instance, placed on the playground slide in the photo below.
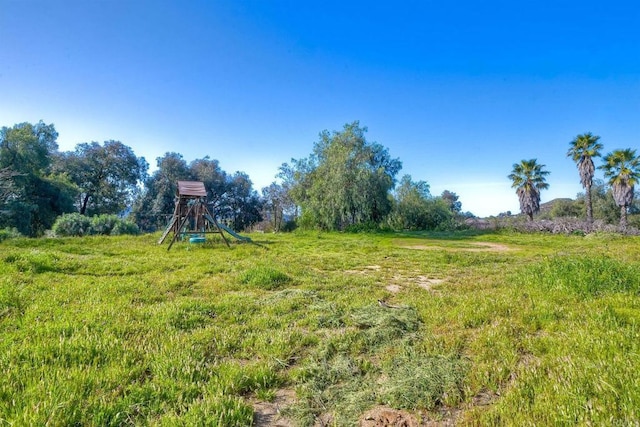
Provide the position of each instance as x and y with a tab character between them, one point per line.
227	229
234	234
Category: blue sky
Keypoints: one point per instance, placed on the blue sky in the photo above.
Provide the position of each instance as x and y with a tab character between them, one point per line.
458	90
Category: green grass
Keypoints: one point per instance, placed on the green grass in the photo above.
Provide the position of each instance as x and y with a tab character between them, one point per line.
492	329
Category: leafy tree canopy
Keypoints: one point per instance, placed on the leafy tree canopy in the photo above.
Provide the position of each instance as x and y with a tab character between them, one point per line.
452	199
106	175
26	148
231	197
416	209
276	203
32	196
345	181
240	205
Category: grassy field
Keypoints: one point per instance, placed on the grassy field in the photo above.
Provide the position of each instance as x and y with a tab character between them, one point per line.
482	329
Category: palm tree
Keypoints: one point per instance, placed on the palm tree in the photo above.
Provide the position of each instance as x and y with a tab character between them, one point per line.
528	179
583	148
622	168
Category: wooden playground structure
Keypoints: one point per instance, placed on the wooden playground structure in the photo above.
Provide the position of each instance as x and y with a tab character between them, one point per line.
191	217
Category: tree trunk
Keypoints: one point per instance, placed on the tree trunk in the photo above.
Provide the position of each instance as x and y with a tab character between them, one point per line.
530	215
83	209
589	205
278	218
623	217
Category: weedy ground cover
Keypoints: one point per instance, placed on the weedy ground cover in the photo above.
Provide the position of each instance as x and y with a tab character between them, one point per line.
489	329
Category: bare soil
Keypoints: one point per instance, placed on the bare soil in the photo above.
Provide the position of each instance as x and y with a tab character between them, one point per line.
478	247
427	283
393	288
267	414
387	417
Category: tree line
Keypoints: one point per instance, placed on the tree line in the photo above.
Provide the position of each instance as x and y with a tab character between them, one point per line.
346	183
231	196
39	183
621	169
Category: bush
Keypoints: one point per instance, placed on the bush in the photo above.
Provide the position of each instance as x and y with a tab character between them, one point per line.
634	220
563	225
103	224
363	227
289	226
9	233
72	225
79	225
125	227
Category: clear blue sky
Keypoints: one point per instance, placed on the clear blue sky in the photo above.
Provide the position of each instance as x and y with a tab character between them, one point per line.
458	90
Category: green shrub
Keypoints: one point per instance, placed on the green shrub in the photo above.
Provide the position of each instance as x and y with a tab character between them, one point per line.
634	221
72	224
103	224
123	227
368	227
289	226
79	225
9	233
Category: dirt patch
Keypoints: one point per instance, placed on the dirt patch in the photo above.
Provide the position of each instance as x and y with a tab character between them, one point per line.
393	288
486	246
450	416
365	270
484	398
442	417
424	282
427	283
387	417
477	247
324	420
267	414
